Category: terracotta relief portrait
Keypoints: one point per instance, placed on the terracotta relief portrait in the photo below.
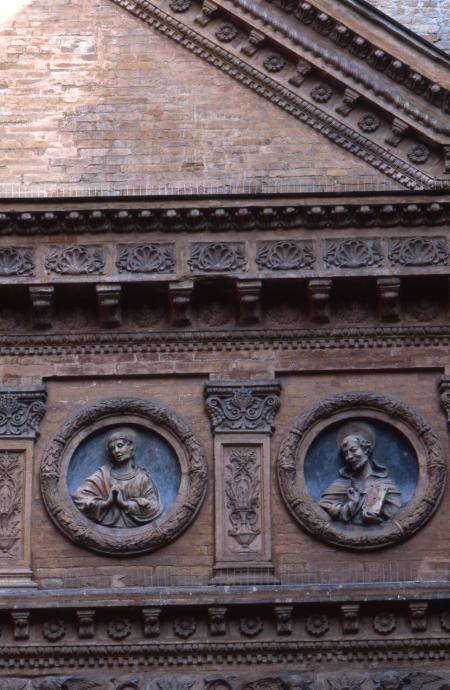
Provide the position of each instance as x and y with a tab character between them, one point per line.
121	492
361	470
364	493
124	476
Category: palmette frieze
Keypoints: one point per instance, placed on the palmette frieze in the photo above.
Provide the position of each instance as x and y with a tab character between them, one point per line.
145	258
382	678
75	260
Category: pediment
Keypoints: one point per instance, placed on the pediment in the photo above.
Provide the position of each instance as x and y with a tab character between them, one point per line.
372	88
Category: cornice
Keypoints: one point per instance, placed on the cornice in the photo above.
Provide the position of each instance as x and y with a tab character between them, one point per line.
175	341
277	89
122	216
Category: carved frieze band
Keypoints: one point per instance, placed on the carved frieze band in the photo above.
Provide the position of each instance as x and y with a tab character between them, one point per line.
12	491
242	406
270	256
21	411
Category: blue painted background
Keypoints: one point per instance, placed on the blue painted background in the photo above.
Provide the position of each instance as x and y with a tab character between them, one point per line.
152	452
392	450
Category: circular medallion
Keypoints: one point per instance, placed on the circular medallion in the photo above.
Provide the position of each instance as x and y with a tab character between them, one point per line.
124	476
361	470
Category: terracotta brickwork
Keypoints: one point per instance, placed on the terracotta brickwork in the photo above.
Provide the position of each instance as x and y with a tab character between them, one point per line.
428	18
91	97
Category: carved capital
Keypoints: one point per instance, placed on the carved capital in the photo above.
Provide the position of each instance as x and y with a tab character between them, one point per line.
41	298
388	292
86	623
217	620
21	411
350	618
444	390
249	295
418	616
109	307
21	625
319	299
151	619
283	619
242	406
180	295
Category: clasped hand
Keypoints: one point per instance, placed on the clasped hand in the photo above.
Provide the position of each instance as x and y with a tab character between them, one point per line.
115	498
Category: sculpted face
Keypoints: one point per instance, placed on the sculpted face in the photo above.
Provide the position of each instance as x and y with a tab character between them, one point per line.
121	447
355	455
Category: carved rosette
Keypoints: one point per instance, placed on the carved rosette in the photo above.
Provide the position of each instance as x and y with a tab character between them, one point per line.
153	535
242	407
399	416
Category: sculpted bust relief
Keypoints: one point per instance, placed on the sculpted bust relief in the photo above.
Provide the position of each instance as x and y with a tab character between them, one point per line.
364	494
120	494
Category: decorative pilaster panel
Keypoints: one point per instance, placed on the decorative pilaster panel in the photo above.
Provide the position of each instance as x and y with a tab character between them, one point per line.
242	417
21	412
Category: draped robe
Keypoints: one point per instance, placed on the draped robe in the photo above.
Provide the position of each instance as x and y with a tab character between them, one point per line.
137	488
379	499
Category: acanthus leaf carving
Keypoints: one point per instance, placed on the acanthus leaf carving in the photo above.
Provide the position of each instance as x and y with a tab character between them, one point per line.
16	261
11	502
21	411
241	407
242	490
75	260
145	258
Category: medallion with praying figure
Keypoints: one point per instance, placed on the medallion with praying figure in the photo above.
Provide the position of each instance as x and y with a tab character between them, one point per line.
124	476
361	470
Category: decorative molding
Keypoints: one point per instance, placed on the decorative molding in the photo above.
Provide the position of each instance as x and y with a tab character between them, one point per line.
145	258
353	253
432	469
343	39
242	406
22	410
162	530
217	257
75	260
343	135
242	218
284	255
17	261
418	251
